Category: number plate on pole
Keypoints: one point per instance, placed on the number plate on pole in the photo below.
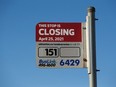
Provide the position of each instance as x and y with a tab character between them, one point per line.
59	45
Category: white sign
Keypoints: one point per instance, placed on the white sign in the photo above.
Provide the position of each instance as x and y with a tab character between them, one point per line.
59	45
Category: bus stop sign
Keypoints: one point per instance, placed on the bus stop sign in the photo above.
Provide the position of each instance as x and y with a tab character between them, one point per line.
59	45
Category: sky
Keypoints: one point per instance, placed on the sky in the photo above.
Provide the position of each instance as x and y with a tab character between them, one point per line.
18	19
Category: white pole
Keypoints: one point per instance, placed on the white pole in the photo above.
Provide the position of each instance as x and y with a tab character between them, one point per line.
91	46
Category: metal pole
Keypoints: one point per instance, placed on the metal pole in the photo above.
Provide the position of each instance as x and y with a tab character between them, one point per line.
91	46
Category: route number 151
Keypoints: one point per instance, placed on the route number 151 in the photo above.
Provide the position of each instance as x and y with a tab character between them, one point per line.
51	51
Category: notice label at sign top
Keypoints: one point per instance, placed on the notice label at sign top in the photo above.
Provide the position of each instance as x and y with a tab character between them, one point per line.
59	45
55	32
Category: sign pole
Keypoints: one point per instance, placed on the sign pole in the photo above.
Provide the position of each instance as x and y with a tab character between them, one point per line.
91	46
